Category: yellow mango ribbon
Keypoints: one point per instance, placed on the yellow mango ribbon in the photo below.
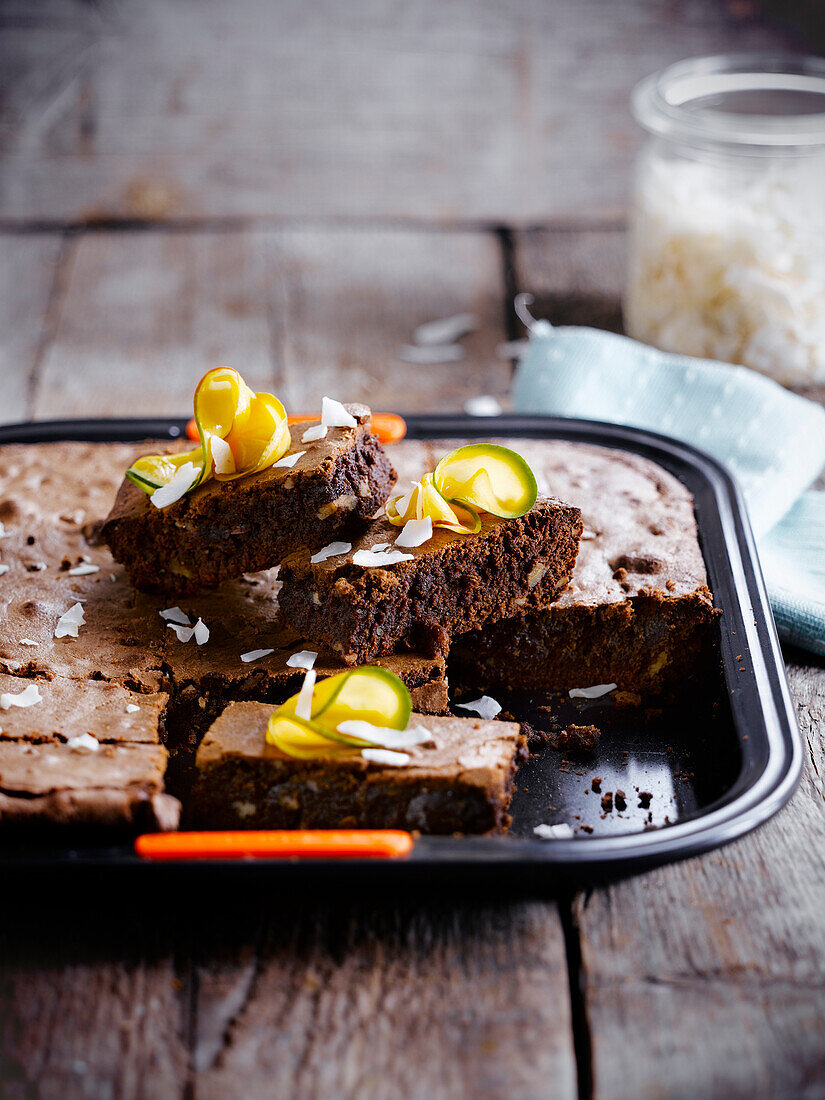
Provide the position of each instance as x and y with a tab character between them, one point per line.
482	477
306	726
241	433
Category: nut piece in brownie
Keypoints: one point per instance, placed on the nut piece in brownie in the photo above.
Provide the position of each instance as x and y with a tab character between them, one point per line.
637	613
450	584
224	528
460	782
75	753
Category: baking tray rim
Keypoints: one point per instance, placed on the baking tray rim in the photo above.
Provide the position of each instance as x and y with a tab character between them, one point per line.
736	814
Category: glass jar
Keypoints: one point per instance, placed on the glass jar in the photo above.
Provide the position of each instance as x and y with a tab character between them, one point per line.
727	240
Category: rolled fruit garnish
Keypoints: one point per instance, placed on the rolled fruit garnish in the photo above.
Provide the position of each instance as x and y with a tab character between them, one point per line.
368	694
240	433
482	477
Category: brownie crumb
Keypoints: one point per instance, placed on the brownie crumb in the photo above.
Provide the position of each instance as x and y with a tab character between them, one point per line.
621	801
644	800
597	783
575	739
587	828
607	802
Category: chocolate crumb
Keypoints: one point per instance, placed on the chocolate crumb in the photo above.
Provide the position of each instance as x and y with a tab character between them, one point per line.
607	802
621	801
578	738
644	800
587	828
597	783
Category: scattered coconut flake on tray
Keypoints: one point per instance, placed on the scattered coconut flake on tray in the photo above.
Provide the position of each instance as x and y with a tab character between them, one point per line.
177	487
483	404
372	558
553	832
255	655
594	692
386	756
84	570
415	532
485	707
385	736
304	658
331	550
288	461
84	742
200	632
69	623
26	698
175	615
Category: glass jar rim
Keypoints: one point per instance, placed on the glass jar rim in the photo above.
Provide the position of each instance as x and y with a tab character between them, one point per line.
661	102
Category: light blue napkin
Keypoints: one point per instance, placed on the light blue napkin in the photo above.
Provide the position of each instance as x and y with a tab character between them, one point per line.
770	439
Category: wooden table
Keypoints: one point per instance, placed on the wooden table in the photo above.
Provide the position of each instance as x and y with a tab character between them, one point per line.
290	188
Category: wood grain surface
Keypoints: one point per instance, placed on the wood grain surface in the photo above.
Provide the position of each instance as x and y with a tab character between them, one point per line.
291	188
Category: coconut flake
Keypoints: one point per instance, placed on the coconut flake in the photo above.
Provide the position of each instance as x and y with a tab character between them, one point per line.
222	457
69	623
180	484
431	355
132	708
334	415
311	435
512	349
369	558
26	641
4	569
415	532
331	550
446	330
84	742
385	736
594	692
26	698
554	832
201	632
385	756
184	633
84	570
288	461
485	707
303	704
175	615
483	404
304	658
255	655
4	534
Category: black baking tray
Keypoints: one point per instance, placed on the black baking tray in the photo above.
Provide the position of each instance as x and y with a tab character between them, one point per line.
712	777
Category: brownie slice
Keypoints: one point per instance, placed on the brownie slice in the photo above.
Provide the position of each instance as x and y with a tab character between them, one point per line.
223	529
462	782
638	611
453	583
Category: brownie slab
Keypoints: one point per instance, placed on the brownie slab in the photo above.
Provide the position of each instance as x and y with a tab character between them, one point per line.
453	583
54	784
462	782
225	528
69	708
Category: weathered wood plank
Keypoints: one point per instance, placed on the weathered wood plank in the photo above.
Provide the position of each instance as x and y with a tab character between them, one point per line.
379	1001
343	302
303	313
91	1001
707	978
28	272
575	276
509	113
